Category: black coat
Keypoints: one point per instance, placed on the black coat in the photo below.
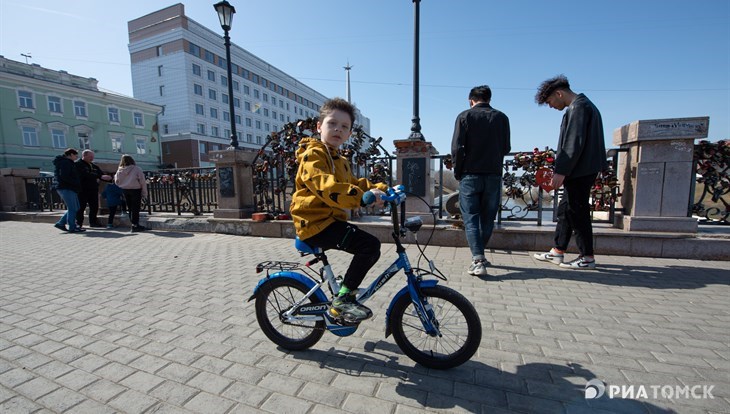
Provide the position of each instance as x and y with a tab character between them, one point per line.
480	142
65	176
581	150
89	173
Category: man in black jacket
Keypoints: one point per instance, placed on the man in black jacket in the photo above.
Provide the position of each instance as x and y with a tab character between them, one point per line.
90	174
581	155
481	140
67	184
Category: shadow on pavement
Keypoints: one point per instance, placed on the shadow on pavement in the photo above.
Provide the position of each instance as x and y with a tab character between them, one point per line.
669	277
535	387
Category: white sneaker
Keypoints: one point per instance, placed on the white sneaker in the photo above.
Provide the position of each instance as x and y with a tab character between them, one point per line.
550	256
478	268
580	263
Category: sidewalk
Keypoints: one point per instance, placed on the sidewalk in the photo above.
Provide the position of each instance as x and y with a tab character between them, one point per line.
110	321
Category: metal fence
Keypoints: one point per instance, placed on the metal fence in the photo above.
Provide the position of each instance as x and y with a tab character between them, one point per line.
186	190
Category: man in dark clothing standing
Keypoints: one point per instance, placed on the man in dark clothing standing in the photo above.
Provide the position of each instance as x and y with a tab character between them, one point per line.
67	184
90	174
481	140
581	155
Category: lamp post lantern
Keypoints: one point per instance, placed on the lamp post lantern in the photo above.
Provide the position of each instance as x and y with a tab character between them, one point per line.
416	122
225	15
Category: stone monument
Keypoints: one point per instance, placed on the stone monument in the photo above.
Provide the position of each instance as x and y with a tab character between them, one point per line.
235	183
656	174
413	160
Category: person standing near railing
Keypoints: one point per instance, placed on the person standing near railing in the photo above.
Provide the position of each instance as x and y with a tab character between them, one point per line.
67	184
90	174
480	142
580	156
131	179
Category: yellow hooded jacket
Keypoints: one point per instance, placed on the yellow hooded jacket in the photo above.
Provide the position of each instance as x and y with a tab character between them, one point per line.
324	188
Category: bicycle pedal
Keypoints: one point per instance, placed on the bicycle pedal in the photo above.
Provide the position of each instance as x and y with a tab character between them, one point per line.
341	319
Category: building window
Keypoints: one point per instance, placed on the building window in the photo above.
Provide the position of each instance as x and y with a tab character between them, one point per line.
212	94
255	78
266	112
159	70
248	122
281	104
246	90
273	114
113	115
249	137
159	50
30	136
194	49
238	119
196	69
258	124
256	93
54	105
166	129
84	141
224	80
267	127
214	113
141	143
258	139
198	89
116	142
237	102
25	100
281	117
211	74
266	97
210	57
236	86
199	110
138	119
226	117
224	98
214	131
80	109
201	129
226	133
58	137
273	101
247	105
201	147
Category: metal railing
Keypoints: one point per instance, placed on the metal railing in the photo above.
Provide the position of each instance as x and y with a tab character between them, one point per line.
185	190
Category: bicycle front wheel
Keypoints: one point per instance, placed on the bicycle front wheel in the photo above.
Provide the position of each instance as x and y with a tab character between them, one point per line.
457	320
273	299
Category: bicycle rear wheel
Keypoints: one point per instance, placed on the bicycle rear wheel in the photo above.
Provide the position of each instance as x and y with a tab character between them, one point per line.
276	297
456	319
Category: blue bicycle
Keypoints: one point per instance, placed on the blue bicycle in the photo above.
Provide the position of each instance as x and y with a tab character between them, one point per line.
434	325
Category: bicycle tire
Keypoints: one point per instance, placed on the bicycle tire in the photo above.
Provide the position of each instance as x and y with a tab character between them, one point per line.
276	297
458	323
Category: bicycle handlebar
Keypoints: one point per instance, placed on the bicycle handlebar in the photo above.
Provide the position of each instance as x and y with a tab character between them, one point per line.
396	194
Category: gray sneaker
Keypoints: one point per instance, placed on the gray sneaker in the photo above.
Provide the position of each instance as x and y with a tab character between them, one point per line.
478	267
346	308
549	257
579	263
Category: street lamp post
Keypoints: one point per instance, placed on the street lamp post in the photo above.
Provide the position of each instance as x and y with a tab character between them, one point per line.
416	122
225	15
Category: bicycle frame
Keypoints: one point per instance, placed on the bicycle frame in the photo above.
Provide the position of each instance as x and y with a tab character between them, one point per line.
303	310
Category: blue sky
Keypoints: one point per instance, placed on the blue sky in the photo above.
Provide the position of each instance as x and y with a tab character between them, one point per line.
646	59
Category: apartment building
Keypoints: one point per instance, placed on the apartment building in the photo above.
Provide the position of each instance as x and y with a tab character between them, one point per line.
45	111
181	65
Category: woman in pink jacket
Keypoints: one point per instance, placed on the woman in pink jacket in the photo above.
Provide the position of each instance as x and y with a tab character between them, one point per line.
130	178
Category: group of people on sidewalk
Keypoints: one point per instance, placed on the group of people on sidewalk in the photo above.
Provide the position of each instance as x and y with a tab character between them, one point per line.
77	183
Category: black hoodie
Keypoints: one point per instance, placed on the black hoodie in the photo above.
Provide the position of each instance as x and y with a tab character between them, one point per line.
65	176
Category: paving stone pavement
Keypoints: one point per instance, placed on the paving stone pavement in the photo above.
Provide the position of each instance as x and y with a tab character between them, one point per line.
109	321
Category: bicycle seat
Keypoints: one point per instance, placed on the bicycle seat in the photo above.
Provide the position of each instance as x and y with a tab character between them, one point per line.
305	248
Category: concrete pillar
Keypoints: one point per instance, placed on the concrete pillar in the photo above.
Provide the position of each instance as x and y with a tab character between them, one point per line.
657	172
413	161
235	183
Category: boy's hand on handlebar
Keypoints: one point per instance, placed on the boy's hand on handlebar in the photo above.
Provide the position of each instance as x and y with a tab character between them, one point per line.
378	197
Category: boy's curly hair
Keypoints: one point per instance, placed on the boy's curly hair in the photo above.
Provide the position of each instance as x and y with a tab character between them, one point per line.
549	86
337	103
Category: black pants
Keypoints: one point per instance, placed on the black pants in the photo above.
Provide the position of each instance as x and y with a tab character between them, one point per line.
134	203
364	247
90	198
574	215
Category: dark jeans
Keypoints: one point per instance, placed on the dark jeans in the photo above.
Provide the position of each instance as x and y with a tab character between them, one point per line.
479	197
134	203
364	247
88	198
574	215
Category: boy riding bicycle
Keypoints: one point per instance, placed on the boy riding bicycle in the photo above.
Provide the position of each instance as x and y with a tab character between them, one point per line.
325	189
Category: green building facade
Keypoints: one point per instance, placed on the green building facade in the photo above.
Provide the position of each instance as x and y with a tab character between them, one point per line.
43	112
